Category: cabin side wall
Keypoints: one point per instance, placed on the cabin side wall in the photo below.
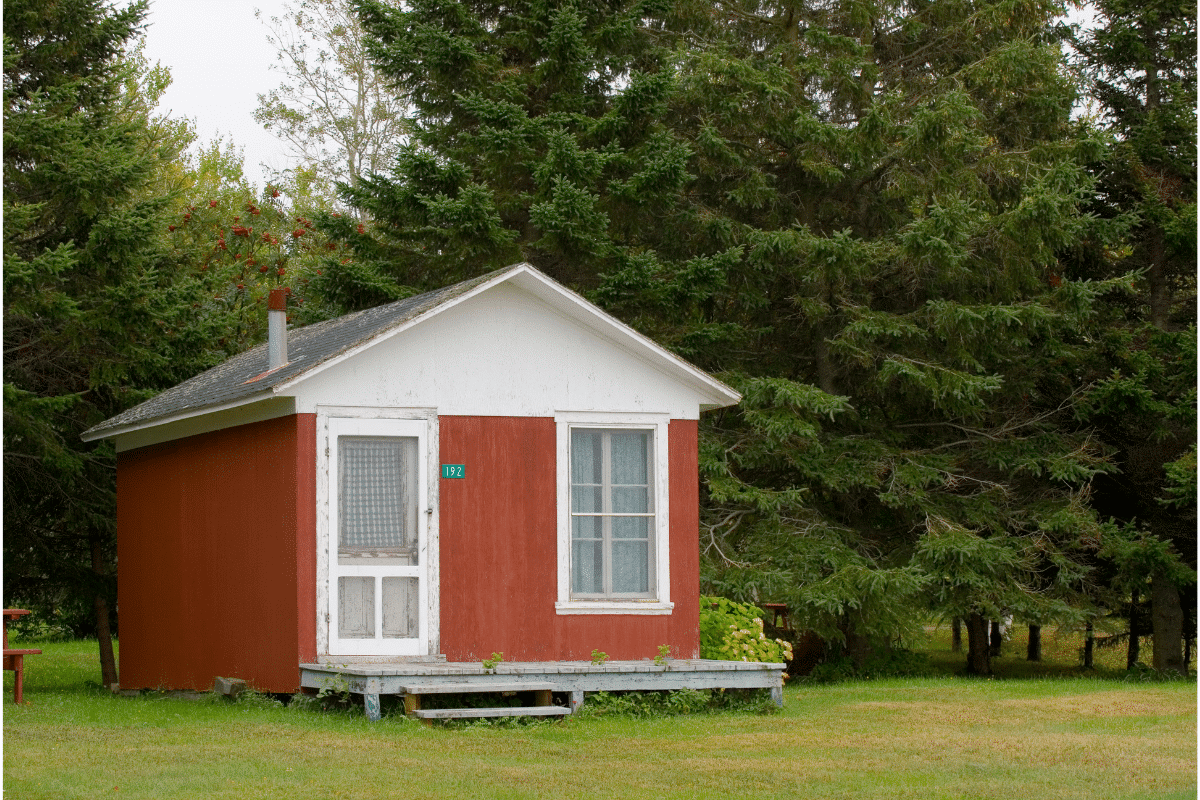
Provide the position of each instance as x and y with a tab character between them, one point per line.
499	550
216	559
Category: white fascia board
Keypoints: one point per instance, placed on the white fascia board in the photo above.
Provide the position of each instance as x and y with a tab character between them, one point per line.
573	307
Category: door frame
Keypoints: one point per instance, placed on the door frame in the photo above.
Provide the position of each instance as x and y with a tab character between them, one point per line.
326	593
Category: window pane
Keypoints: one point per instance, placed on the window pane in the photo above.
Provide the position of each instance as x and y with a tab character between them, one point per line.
629	457
377	493
631	527
400	599
586	456
587	499
587	566
630	500
630	566
356	608
587	528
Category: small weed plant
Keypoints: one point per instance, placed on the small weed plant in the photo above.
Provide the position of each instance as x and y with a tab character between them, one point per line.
334	692
664	652
489	664
732	631
599	657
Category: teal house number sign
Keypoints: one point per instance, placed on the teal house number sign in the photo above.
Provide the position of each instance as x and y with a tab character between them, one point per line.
454	470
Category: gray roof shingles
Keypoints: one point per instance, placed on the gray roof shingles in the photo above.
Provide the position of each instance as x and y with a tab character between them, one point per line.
243	375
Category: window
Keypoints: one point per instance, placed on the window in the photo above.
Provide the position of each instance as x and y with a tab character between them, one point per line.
612	508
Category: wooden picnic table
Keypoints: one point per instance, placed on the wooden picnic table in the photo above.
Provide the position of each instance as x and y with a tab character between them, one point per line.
14	659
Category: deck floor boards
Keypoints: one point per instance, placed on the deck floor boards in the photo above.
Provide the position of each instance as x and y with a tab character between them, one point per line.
372	679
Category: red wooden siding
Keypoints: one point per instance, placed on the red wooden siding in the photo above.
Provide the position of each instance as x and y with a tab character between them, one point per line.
498	534
216	557
684	439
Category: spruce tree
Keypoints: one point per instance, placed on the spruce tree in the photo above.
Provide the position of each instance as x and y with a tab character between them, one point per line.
92	322
540	137
851	212
1140	60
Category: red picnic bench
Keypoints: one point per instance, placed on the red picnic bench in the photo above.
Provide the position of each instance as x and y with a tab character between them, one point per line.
15	659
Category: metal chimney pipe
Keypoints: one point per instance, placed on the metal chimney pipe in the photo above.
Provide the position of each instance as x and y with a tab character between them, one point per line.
276	329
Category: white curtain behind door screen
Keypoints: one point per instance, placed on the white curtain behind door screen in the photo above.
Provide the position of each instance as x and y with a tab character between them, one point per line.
377	480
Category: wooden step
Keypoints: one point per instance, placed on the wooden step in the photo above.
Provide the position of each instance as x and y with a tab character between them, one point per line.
476	688
477	713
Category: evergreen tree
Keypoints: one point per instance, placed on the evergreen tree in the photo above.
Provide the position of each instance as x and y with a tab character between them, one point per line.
92	323
1141	63
540	138
895	181
851	212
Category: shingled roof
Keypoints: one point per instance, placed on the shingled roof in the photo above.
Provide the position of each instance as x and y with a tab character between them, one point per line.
246	375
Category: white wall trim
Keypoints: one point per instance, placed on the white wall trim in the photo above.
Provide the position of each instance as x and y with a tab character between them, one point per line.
626	607
658	423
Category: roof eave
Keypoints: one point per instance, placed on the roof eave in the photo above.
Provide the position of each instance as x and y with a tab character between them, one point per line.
117	432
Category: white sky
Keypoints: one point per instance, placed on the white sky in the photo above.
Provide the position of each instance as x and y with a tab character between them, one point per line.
219	60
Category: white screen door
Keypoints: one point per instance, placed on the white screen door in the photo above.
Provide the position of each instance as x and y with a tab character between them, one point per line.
378	536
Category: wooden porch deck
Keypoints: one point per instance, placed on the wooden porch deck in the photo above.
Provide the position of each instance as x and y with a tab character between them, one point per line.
372	679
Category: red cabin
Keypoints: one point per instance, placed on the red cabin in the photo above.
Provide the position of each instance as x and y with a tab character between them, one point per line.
496	466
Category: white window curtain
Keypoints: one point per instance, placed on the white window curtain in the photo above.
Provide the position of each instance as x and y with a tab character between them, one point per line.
612	513
377	494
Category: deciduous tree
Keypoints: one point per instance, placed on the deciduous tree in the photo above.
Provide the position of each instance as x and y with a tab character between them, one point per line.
340	119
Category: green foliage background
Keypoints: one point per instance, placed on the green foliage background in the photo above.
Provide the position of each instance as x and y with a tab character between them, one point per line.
961	316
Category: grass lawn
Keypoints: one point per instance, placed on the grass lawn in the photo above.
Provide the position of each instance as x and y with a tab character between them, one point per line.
1061	654
946	737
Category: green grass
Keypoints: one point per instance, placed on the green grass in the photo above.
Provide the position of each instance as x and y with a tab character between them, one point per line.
946	737
1061	655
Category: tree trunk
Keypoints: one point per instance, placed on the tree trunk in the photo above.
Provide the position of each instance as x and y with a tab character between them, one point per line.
824	363
1156	277
1168	625
997	641
1033	651
1156	246
108	663
1089	647
858	647
979	653
956	635
1135	633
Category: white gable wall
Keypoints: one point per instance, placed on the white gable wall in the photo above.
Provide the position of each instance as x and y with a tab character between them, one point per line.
500	353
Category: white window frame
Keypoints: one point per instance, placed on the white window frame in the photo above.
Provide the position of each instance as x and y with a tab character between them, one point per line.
657	425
